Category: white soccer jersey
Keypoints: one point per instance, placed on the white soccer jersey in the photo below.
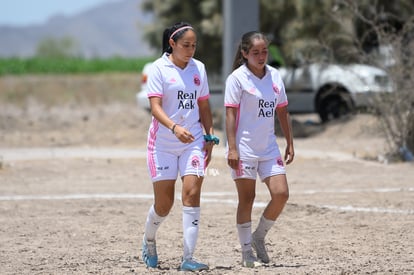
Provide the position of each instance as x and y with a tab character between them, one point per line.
256	100
179	89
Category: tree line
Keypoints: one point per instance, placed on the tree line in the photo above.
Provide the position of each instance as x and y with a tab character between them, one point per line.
303	31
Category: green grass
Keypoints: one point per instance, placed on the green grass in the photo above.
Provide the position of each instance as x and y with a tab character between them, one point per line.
37	65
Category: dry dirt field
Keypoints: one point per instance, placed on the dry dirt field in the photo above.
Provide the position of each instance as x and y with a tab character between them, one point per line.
74	191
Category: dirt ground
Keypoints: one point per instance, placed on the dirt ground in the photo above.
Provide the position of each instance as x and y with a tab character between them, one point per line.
74	193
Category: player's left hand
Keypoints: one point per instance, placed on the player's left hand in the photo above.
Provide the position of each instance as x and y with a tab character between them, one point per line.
289	154
208	148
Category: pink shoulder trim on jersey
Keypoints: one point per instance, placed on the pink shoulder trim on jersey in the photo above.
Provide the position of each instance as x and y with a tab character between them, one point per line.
204	97
283	104
154	95
232	105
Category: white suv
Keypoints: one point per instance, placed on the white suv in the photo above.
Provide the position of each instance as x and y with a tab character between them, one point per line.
333	90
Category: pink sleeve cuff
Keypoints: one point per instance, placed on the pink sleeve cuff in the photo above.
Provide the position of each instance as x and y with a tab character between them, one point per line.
204	97
283	104
232	105
154	95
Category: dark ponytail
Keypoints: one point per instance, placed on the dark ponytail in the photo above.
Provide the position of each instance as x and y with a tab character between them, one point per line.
245	45
176	35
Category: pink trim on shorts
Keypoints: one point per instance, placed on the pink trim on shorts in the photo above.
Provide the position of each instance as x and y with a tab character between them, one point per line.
205	157
151	147
239	171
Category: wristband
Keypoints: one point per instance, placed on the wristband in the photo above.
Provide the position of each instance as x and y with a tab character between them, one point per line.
173	128
212	138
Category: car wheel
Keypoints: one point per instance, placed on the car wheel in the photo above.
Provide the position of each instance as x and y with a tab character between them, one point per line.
334	106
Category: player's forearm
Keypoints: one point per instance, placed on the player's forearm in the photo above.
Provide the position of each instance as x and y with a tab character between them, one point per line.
159	114
285	125
206	118
231	128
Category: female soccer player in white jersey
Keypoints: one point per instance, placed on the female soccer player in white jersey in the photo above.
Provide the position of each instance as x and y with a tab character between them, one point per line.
254	95
180	139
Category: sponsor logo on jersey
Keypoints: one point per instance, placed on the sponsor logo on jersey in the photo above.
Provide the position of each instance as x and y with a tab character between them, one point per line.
186	100
266	108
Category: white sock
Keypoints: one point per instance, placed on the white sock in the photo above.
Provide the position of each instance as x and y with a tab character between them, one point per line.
263	227
152	224
191	218
245	236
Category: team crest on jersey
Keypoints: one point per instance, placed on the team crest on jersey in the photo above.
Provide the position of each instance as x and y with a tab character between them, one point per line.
195	162
276	89
196	80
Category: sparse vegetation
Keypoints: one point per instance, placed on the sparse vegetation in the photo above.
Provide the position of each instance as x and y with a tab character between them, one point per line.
393	35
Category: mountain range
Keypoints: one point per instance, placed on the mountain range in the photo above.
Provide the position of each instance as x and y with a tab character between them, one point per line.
114	28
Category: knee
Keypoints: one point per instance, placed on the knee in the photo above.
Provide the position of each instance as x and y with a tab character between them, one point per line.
164	208
247	199
282	196
191	199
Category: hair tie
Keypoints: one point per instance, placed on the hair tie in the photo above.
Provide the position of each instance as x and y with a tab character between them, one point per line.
212	138
180	29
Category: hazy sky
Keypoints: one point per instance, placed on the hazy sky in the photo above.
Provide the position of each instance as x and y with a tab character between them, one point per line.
25	12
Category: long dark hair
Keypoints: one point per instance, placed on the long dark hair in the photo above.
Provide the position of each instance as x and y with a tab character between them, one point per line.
245	45
172	33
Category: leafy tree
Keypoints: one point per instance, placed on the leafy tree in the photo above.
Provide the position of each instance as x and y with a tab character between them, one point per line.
302	30
275	17
204	16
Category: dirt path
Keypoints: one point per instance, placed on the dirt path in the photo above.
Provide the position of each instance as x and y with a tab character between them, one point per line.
74	193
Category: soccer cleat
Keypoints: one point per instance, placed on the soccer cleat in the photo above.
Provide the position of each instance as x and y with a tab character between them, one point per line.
249	260
259	246
149	253
191	265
